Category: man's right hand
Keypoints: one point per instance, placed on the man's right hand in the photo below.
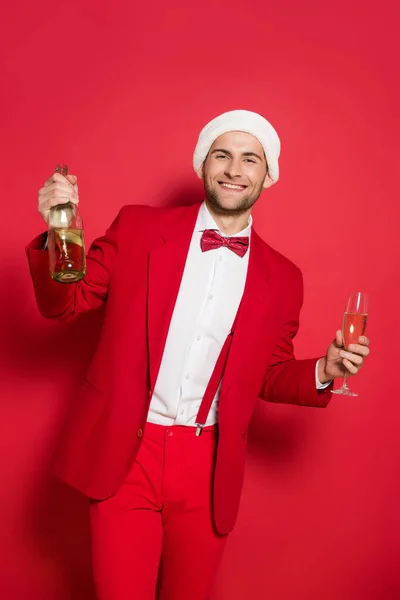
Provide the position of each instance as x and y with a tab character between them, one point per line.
57	190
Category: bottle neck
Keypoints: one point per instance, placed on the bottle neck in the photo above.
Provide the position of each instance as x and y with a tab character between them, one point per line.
65	216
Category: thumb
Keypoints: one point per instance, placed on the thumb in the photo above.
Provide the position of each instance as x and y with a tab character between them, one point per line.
339	338
72	179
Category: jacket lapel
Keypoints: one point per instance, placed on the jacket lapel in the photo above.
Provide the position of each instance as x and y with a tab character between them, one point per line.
257	302
166	267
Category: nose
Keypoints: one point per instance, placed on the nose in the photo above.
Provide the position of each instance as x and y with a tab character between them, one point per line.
233	168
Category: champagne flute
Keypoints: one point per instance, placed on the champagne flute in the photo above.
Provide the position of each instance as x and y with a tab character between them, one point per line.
353	326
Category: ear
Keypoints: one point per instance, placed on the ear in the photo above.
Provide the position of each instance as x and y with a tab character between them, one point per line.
267	182
200	172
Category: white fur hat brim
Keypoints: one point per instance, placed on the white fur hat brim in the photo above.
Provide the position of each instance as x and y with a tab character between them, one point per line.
248	122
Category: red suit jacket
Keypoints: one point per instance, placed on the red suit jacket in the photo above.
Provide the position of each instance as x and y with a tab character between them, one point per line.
137	269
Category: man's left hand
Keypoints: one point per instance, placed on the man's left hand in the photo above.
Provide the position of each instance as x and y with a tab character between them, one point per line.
338	361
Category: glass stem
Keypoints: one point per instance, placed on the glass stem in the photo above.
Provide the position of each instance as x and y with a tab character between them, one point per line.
345	380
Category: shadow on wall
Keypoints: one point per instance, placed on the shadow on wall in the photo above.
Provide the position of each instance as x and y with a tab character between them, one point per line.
277	435
59	530
39	348
377	580
184	193
54	517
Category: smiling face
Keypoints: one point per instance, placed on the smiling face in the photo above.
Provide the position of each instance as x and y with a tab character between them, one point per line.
234	173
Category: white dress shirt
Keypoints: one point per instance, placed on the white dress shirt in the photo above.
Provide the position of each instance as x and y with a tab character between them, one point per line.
208	299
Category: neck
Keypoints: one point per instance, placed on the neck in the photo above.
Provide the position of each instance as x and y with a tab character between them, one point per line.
230	224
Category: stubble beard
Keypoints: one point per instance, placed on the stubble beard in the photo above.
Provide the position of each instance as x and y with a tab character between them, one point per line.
243	204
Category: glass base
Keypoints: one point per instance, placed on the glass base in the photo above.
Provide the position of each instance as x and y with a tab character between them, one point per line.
344	392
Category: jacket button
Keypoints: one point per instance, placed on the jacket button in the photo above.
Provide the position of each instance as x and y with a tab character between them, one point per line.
139	433
150	393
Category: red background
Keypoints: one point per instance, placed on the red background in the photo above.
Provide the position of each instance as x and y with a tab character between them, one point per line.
119	91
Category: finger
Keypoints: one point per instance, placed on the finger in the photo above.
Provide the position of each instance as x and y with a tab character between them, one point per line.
339	338
50	202
72	179
352	369
354	358
56	177
57	186
58	195
358	349
60	191
364	340
63	198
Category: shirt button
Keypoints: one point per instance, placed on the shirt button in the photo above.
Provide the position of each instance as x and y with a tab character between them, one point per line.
220	258
182	412
188	376
210	296
198	337
139	432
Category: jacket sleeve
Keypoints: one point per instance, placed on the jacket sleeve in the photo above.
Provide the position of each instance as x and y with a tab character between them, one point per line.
66	301
286	379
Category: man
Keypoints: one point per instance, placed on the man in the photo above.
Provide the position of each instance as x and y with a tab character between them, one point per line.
200	318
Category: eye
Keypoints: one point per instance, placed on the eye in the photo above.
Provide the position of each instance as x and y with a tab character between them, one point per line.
250	160
221	156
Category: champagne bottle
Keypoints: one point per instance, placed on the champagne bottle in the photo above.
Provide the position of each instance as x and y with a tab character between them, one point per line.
65	240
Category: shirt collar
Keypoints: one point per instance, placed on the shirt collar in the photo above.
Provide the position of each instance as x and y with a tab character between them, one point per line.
206	221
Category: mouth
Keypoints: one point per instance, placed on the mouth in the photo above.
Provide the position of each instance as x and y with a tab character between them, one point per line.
232	186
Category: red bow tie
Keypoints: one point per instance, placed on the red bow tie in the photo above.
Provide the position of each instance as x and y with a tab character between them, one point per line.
211	239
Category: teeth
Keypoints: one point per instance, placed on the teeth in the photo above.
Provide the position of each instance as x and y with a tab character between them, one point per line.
232	187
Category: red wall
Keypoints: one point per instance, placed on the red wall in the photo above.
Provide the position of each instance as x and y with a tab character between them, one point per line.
119	91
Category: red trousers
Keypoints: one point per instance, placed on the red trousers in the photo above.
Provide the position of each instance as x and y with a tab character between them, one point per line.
156	532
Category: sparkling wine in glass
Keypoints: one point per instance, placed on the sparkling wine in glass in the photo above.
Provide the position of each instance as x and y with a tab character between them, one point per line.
353	326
